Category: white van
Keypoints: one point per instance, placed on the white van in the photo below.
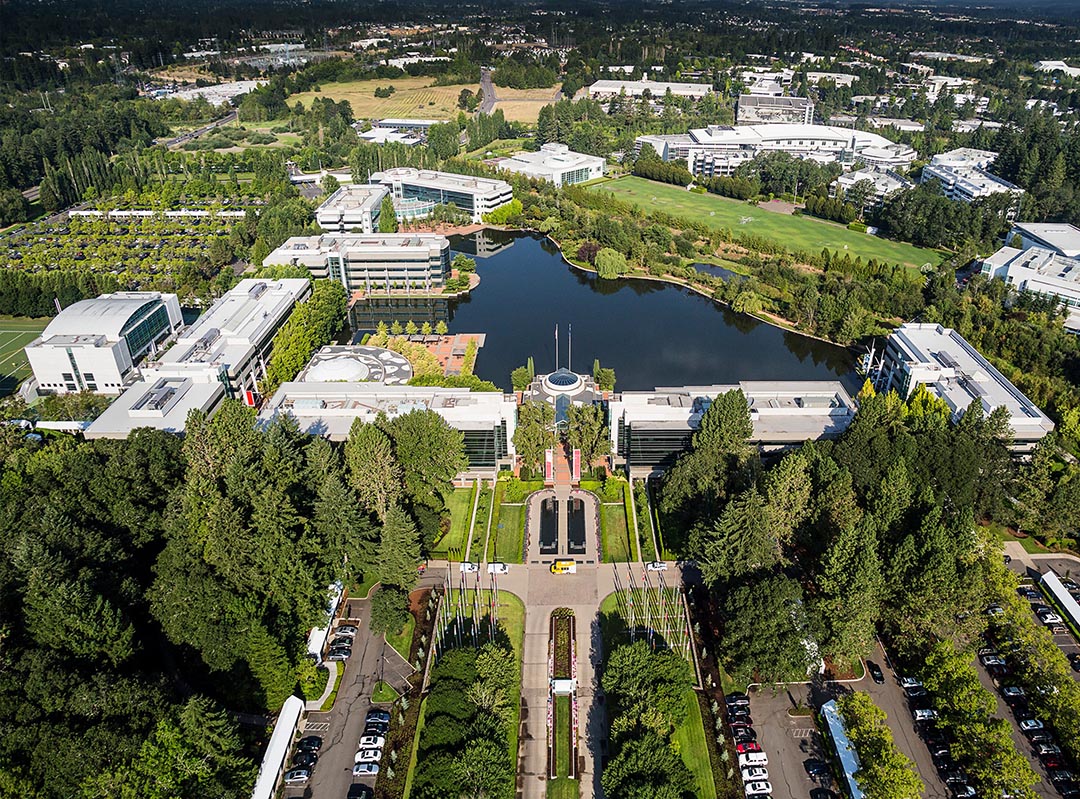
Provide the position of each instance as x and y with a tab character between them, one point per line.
753	760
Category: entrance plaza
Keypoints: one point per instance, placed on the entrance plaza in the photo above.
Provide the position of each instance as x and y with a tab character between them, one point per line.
562	523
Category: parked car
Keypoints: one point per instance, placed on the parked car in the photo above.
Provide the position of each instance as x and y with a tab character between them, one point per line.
1074	659
360	791
368	756
1013	694
656	566
1044	749
875	672
741	723
741	734
1069	585
995	610
758	787
1030	594
365	769
338	654
498	568
298	776
372	742
747	747
1040	737
924	714
305	760
347	630
1061	775
737	699
312	743
917	692
816	769
470	568
378	715
1053	761
1031	725
738	710
1023	712
342	642
993	659
1050	618
755	774
753	759
962	790
375	728
909	682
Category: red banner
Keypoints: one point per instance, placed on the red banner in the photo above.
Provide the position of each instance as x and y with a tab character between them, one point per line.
577	465
549	466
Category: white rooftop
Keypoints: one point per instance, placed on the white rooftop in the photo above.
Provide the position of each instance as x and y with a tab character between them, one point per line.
951	368
440	180
656	88
963	157
551	158
101	316
163	404
1059	236
354	197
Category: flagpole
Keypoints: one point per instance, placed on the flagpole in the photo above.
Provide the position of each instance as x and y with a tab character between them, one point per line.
569	346
556	347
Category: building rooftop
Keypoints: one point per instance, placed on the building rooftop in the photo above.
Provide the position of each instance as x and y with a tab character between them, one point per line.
1063	238
353	197
163	404
656	88
964	157
357	364
317	247
100	317
388	136
440	180
550	158
952	369
401	122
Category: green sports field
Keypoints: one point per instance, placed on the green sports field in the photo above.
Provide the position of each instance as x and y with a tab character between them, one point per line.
15	333
794	232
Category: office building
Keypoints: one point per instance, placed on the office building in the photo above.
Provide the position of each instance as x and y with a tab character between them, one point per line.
555	163
609	89
1057	66
754	109
649	429
388	136
370	262
721	149
1057	237
838	79
354	208
1040	271
963	175
418	126
885	182
96	345
486	419
902	125
222	355
950	368
416	192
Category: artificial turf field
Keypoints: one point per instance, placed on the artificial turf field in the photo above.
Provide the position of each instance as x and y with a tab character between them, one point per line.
793	232
15	333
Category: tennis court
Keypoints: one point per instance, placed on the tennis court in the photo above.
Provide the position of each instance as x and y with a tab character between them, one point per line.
15	333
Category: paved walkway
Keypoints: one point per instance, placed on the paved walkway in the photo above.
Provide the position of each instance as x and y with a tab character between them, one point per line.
316	704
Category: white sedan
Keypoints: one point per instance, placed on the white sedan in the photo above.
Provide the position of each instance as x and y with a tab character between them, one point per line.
368	756
755	774
372	742
365	769
758	787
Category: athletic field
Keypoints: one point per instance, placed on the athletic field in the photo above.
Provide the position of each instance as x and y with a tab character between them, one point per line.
793	232
15	333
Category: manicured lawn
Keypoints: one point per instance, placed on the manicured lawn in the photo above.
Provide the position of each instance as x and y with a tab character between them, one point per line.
15	333
383	693
412	97
461	505
415	745
794	232
402	640
562	730
498	147
480	523
1029	543
615	535
507	534
689	735
563	788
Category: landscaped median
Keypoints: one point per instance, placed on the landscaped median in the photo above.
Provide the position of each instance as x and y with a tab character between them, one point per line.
617	541
563	710
506	543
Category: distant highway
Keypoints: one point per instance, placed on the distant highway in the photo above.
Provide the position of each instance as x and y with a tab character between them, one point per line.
487	106
225	120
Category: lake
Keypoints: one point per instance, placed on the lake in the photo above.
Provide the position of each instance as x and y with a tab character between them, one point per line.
651	333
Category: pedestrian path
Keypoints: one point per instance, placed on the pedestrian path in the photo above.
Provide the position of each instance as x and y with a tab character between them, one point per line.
316	704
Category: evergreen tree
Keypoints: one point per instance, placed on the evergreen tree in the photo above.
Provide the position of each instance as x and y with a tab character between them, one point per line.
399	549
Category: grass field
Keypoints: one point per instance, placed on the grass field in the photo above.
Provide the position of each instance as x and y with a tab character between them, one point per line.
480	522
412	97
507	534
563	788
689	735
794	232
461	505
383	692
615	535
523	105
402	639
15	333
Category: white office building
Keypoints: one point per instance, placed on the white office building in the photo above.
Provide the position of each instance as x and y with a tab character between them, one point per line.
1040	271
370	262
96	345
354	208
388	136
609	89
1057	237
555	163
963	176
885	182
838	79
1057	66
902	125
416	192
721	149
649	429
222	355
487	420
755	109
950	368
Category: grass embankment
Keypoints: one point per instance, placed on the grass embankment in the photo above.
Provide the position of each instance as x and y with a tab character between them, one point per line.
413	97
402	639
562	787
480	521
460	504
794	232
329	703
646	535
15	333
689	737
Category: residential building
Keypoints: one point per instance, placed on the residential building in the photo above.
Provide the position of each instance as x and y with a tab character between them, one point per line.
1040	271
555	163
721	149
352	208
753	109
939	358
609	89
649	429
96	344
487	420
1058	237
963	176
417	191
372	261
885	183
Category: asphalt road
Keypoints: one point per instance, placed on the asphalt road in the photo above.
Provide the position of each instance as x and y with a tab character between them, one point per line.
225	120
488	88
789	741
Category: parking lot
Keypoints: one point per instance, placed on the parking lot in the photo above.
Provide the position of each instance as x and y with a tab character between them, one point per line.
788	740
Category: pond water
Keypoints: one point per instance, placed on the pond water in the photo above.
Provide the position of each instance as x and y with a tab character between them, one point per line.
652	334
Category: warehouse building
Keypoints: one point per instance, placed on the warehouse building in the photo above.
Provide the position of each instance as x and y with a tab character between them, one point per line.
370	262
96	344
555	163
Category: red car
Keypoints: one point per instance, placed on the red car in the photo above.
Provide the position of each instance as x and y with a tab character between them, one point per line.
1052	761
748	746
